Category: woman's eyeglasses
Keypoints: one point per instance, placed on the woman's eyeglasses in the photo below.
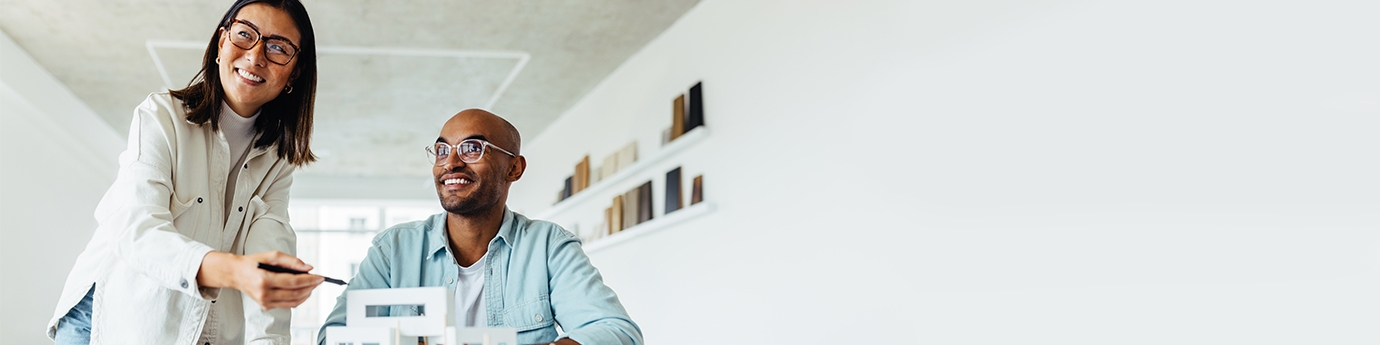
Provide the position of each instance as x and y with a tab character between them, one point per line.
245	35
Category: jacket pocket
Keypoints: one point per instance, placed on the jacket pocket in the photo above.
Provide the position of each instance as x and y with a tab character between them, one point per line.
257	209
530	315
176	206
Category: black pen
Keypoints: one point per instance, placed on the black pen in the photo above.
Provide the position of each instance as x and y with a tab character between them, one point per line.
272	268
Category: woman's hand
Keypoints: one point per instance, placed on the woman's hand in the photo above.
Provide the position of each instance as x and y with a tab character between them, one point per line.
270	290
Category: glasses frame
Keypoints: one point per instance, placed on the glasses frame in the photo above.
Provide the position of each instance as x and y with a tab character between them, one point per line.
483	148
260	38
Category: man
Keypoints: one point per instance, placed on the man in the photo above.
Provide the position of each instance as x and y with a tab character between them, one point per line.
506	270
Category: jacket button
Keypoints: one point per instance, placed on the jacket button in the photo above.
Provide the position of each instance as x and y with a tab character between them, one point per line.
184	283
241	208
198	200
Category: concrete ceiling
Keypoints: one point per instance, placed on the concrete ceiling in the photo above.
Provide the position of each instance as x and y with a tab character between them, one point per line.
390	72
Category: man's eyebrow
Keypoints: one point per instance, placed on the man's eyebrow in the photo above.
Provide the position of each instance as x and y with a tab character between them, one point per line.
476	136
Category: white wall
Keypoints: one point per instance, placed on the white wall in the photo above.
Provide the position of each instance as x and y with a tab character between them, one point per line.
1003	172
56	160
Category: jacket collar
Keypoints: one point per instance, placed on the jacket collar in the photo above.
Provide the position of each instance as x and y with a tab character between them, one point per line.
440	238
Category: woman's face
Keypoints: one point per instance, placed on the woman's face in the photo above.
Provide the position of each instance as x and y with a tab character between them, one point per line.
248	76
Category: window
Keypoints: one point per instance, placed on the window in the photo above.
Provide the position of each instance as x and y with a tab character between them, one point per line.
334	236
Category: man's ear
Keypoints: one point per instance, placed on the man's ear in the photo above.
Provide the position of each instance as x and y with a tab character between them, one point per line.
518	166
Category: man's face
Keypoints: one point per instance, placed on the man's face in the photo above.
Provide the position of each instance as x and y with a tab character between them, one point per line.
473	188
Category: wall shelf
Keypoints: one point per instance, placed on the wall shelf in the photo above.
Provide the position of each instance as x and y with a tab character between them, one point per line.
650	226
686	140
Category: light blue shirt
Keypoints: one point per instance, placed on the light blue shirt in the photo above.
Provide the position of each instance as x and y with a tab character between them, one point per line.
537	277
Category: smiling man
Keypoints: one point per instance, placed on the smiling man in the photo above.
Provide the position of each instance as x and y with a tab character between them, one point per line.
506	270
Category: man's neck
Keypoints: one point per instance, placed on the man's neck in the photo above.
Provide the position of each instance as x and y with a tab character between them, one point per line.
470	234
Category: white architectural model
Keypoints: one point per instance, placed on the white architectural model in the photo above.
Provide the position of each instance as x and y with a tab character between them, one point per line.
432	317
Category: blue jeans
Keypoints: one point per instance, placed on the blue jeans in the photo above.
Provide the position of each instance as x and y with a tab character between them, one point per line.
75	327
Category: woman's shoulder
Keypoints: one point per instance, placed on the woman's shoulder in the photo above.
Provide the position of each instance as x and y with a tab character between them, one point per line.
162	107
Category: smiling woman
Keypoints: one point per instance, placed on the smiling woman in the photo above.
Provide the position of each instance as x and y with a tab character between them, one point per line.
201	198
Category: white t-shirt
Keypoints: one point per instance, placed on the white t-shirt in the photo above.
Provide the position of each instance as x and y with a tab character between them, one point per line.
469	295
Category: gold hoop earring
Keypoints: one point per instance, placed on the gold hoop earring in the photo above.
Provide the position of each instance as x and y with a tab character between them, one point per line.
217	60
288	89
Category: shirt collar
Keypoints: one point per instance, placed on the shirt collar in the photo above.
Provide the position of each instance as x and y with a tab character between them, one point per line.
440	239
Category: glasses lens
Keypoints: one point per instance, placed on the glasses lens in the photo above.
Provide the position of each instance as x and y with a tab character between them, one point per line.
439	152
279	50
243	36
471	150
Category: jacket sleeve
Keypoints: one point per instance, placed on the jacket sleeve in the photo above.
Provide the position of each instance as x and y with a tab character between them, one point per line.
269	230
587	310
140	205
374	273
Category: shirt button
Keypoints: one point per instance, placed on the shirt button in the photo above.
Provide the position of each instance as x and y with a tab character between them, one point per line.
246	165
184	283
241	208
198	200
538	317
449	280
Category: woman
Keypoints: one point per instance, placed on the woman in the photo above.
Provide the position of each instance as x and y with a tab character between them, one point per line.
201	199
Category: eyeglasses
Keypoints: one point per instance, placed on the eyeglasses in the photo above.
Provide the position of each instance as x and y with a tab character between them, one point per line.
245	35
470	151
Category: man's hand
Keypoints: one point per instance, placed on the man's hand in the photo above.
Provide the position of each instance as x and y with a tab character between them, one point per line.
270	290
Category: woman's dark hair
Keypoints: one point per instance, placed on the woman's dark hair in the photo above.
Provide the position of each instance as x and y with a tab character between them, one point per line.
285	120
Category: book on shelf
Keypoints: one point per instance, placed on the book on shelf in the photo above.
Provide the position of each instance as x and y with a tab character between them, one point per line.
697	190
644	202
607	225
610	166
616	214
581	175
672	191
630	208
694	115
565	193
627	156
678	117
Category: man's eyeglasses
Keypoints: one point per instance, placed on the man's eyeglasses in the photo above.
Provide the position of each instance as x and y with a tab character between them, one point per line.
470	151
245	35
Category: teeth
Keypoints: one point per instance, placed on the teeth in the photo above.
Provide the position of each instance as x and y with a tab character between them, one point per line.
457	181
250	76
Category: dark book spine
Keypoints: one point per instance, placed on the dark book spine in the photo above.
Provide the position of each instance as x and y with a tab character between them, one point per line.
644	202
695	116
673	190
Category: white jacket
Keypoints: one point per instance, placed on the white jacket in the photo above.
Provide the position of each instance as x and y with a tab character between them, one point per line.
164	212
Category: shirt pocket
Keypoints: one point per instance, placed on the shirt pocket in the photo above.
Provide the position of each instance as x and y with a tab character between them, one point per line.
187	215
530	315
257	209
177	207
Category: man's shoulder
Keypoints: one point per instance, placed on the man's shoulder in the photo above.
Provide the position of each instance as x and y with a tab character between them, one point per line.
541	230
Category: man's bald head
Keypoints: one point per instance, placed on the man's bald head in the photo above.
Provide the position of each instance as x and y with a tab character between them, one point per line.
498	131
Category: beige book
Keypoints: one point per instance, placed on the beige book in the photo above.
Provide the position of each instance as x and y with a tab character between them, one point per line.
616	215
630	208
610	166
627	156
